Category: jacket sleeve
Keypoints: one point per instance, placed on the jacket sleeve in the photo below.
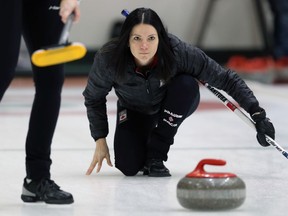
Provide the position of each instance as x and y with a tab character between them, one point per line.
99	84
202	67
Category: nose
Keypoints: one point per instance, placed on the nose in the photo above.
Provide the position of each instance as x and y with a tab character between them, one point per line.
144	45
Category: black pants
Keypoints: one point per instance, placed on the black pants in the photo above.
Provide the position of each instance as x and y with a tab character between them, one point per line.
40	27
139	136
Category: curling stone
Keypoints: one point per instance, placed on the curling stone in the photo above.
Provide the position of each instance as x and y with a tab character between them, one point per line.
201	190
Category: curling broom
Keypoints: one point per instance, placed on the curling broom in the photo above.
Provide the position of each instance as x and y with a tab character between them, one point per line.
243	116
62	52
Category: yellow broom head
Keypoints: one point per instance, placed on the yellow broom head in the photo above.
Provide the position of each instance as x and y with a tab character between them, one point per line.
58	55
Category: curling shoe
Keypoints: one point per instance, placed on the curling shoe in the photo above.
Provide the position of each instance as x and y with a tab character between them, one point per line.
44	190
155	168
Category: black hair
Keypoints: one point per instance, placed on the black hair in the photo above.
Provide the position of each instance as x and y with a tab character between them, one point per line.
122	53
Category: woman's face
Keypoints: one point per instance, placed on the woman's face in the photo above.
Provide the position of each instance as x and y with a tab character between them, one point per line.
143	43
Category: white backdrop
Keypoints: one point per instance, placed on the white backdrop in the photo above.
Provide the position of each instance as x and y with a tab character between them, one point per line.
233	22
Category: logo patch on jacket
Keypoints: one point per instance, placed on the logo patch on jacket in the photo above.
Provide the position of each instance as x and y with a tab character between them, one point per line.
122	116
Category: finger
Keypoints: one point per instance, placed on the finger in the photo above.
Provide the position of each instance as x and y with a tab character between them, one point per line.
99	166
91	167
89	171
109	161
67	8
77	14
64	13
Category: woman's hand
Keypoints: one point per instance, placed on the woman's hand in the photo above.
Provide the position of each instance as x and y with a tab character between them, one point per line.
67	7
101	153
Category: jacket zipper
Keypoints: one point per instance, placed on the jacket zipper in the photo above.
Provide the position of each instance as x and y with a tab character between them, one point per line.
147	86
146	80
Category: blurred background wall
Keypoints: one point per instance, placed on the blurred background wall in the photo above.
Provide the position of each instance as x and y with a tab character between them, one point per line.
232	24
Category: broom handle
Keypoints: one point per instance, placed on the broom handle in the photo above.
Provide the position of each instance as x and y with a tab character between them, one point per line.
66	29
243	116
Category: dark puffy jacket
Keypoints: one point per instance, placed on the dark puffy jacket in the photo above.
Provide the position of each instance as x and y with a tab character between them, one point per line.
145	94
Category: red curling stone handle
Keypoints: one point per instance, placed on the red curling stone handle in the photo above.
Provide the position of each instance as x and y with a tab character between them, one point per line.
199	171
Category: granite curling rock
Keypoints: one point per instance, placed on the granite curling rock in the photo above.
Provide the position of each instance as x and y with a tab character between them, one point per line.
201	190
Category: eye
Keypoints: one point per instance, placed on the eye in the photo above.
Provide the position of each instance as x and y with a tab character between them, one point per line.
136	38
151	38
